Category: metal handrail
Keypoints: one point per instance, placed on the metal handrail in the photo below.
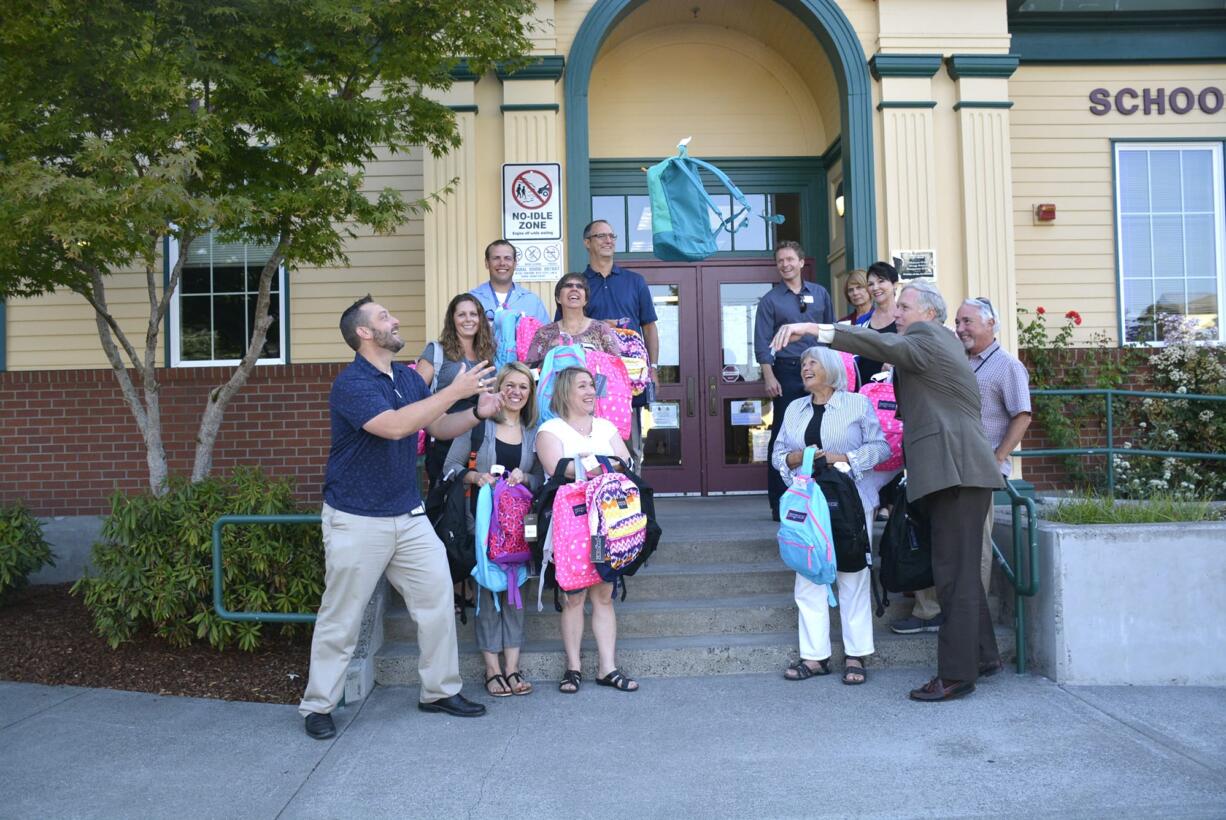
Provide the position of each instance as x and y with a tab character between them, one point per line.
1023	547
219	576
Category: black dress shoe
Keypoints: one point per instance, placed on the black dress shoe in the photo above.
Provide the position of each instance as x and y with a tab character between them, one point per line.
987	670
937	689
456	705
320	726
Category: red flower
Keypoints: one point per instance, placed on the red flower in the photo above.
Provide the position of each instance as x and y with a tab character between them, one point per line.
1040	310
1074	315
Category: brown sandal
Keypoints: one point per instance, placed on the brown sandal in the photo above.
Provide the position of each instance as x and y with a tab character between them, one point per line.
518	685
506	690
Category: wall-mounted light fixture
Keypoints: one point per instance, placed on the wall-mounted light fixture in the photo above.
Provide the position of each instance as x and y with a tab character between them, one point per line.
839	202
1045	212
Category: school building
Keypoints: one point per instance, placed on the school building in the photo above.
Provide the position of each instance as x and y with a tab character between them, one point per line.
1055	153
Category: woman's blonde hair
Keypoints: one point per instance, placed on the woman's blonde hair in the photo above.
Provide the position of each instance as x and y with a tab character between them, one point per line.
527	416
857	278
562	389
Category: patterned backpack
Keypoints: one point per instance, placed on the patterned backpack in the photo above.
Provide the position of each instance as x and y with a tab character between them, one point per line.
525	331
881	396
805	544
571	539
556	360
612	390
506	329
634	356
853	372
617	524
506	547
486	573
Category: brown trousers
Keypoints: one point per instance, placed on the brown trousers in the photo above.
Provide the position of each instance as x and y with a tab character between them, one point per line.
966	639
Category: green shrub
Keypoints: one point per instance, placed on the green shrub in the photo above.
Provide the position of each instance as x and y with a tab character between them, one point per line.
23	550
1159	509
154	564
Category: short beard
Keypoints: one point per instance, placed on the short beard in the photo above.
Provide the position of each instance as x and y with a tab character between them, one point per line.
387	341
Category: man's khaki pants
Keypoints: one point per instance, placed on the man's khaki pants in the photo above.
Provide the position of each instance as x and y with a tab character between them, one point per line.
926	605
358	549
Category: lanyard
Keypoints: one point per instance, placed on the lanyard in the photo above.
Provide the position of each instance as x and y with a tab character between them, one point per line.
985	360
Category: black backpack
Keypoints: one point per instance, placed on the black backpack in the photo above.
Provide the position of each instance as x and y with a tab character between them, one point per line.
904	562
853	549
446	508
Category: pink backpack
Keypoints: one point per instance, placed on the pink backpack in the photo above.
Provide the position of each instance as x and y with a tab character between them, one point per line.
613	392
572	540
507	547
634	352
881	396
525	330
853	373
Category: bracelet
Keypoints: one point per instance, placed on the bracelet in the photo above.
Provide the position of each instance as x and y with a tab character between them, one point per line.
477	415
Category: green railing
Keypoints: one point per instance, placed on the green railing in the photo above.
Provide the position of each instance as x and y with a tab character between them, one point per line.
1025	566
1023	574
219	581
1111	450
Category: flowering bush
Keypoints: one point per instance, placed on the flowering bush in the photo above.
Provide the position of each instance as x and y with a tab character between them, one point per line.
1186	364
1054	366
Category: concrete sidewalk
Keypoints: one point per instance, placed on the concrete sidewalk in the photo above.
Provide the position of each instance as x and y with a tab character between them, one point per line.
731	746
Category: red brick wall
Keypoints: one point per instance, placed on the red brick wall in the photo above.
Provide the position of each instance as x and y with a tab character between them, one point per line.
1049	473
68	440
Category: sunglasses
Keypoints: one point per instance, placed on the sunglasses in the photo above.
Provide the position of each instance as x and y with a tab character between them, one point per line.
800	298
572	286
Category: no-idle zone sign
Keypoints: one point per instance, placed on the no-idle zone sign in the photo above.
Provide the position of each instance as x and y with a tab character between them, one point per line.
531	201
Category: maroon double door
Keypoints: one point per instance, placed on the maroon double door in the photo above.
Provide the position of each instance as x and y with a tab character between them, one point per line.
708	429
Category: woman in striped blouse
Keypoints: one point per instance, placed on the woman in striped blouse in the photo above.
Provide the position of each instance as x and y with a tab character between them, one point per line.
844	429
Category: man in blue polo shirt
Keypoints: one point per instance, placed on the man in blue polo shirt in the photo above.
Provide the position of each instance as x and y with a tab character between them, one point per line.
373	518
620	298
500	291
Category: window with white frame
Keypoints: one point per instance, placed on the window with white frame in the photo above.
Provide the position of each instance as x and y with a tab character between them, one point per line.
1169	230
213	311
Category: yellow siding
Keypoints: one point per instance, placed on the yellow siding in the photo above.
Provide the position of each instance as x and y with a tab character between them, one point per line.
1062	154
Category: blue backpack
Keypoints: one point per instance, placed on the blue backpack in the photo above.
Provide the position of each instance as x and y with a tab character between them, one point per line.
505	322
681	209
805	543
488	574
556	360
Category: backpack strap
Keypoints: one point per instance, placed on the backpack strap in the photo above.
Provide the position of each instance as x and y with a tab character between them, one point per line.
437	357
806	465
732	189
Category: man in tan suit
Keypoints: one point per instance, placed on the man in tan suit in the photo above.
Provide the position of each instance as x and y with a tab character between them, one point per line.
950	469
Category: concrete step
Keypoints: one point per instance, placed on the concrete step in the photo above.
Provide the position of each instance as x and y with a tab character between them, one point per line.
660	618
648	657
731	548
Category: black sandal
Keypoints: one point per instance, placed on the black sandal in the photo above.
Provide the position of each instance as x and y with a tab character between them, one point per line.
512	677
618	681
850	672
499	679
571	677
804	671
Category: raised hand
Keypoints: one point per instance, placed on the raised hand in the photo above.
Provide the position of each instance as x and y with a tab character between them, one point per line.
471	381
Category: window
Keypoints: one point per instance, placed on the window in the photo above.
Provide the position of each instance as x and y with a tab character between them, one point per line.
1169	233
630	217
213	311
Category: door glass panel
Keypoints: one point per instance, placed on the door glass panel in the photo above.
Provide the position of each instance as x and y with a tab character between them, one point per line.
638	231
738	304
612	209
667	301
662	434
747	431
789	206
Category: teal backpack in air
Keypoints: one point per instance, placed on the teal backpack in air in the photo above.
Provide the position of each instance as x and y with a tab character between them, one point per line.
681	209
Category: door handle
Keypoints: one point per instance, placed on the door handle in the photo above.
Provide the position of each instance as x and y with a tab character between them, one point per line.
712	399
689	397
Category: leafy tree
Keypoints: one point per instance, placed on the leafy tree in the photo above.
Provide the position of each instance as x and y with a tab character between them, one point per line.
123	122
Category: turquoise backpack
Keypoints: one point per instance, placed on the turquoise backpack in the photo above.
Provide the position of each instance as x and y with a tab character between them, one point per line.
486	573
556	360
805	543
505	322
681	209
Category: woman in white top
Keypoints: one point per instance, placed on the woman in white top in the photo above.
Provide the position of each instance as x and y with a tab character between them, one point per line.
577	434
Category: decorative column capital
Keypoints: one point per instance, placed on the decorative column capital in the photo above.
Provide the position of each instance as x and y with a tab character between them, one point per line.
904	65
992	66
544	67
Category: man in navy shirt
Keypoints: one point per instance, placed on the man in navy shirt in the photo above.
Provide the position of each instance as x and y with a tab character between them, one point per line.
373	518
500	291
620	298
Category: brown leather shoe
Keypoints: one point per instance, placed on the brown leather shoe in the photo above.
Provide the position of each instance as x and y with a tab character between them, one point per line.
937	689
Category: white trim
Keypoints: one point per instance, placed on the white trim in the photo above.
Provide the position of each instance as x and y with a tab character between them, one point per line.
172	256
1214	147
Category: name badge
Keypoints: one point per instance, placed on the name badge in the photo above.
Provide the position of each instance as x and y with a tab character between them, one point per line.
807	298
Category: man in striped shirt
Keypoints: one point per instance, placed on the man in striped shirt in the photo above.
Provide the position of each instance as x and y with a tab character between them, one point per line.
1004	388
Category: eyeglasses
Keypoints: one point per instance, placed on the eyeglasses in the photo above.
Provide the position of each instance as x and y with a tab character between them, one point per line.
601	237
572	285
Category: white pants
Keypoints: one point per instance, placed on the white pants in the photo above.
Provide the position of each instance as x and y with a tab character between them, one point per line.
855	615
358	549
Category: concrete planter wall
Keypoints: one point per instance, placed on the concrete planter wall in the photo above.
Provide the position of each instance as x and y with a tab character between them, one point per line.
1130	604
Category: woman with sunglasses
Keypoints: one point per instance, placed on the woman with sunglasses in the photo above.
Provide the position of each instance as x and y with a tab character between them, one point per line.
571	294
